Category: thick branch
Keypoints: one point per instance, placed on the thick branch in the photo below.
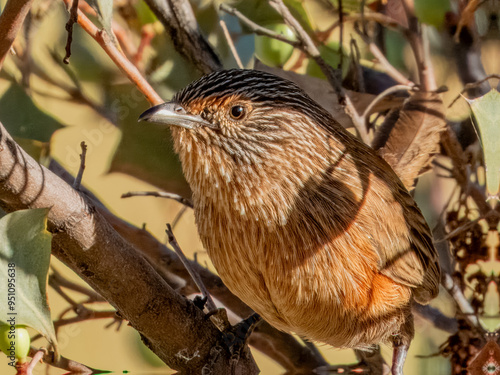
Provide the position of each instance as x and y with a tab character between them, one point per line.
170	325
11	21
180	23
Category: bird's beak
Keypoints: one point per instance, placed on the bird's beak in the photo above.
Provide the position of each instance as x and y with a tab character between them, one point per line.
172	113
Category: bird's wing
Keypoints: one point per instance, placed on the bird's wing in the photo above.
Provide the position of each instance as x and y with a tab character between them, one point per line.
396	227
415	265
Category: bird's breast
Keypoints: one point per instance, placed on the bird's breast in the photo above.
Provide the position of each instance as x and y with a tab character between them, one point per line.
307	264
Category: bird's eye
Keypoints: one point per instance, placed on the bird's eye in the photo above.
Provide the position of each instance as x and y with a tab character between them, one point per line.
237	112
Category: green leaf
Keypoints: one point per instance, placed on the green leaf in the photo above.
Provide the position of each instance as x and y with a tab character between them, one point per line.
486	110
297	9
260	12
432	12
90	63
352	6
23	118
24	264
144	13
104	9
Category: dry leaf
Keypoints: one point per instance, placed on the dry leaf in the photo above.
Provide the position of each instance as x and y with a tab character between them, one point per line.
410	143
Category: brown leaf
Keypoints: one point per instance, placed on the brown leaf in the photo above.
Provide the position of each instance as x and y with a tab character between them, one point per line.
410	143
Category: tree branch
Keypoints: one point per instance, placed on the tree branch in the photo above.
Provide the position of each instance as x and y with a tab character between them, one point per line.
308	46
104	40
179	21
11	21
420	49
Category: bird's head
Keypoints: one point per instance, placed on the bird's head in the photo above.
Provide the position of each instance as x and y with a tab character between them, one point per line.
235	123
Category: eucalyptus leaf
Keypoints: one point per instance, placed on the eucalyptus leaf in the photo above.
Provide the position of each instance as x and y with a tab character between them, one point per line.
25	246
144	13
486	110
23	118
104	9
259	11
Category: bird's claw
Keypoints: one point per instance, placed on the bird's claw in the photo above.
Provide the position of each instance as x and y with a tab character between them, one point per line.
236	336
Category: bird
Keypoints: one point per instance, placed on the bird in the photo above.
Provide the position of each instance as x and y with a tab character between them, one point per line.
303	222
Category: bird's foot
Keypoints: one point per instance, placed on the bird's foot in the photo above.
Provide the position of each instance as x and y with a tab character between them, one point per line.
200	302
372	361
236	336
398	355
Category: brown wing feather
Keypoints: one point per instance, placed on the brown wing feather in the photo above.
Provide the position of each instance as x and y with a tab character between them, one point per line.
412	259
416	266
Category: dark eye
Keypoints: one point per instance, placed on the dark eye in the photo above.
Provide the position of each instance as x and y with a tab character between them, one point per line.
237	112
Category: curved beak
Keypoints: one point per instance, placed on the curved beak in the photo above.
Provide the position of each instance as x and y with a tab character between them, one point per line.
172	113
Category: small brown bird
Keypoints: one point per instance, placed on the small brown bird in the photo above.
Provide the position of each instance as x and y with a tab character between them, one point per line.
303	222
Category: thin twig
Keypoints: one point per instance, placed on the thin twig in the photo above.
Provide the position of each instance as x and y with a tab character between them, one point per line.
104	40
341	34
231	44
307	45
472	85
382	60
194	275
460	299
391	90
63	363
159	194
73	18
357	120
442	166
179	216
356	66
461	229
304	42
78	180
36	358
147	35
257	29
380	18
420	49
314	349
436	317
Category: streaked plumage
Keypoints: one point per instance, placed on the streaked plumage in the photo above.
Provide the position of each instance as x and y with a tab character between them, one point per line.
302	221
